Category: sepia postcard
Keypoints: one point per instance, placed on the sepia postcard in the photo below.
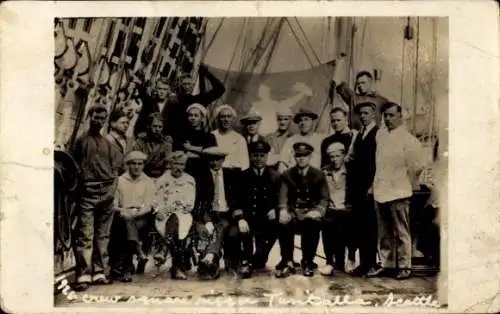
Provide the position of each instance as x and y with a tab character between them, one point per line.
250	157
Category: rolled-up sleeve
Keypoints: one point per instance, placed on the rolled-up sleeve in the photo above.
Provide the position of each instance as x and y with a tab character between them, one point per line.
324	193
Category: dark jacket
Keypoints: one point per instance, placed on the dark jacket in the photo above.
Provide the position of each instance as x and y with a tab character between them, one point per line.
259	194
176	116
361	169
301	194
205	189
344	138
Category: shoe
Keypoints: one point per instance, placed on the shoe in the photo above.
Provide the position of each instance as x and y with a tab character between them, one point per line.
302	264
141	266
100	279
177	274
327	270
375	271
359	271
281	265
245	270
81	286
286	271
126	278
403	274
308	271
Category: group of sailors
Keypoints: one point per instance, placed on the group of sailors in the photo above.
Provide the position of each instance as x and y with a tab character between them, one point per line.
212	195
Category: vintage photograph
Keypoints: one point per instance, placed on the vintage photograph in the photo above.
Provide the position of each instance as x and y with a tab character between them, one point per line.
249	161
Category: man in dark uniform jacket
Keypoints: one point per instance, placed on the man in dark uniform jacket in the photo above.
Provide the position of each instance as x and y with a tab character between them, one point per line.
217	205
259	197
361	173
303	199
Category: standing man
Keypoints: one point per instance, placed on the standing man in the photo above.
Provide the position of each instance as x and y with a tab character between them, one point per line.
99	162
260	190
117	136
303	200
158	103
342	133
156	146
399	161
363	92
361	171
218	203
230	141
278	138
305	119
251	123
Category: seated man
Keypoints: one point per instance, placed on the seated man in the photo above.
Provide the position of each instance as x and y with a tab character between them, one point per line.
302	203
259	198
133	200
217	206
174	203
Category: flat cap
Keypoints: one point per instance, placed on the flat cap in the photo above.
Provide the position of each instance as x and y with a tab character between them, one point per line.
302	149
284	112
364	104
304	112
259	147
135	155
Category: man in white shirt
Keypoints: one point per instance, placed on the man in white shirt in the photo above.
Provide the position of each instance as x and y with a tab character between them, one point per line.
304	118
399	160
230	141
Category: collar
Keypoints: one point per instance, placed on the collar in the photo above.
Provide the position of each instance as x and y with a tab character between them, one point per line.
346	130
259	171
129	178
369	127
303	171
397	130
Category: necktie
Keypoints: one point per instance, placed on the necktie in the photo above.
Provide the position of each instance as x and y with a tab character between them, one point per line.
216	191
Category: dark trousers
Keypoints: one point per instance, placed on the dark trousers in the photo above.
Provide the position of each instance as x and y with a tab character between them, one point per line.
92	230
336	236
178	247
127	236
365	231
225	241
264	233
309	238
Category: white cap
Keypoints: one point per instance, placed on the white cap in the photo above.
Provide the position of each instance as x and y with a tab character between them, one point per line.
135	155
222	107
199	107
335	147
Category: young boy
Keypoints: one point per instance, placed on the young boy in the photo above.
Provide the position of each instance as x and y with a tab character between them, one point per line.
335	232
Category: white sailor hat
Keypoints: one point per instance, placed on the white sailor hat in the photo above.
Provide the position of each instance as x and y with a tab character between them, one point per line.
336	146
135	155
